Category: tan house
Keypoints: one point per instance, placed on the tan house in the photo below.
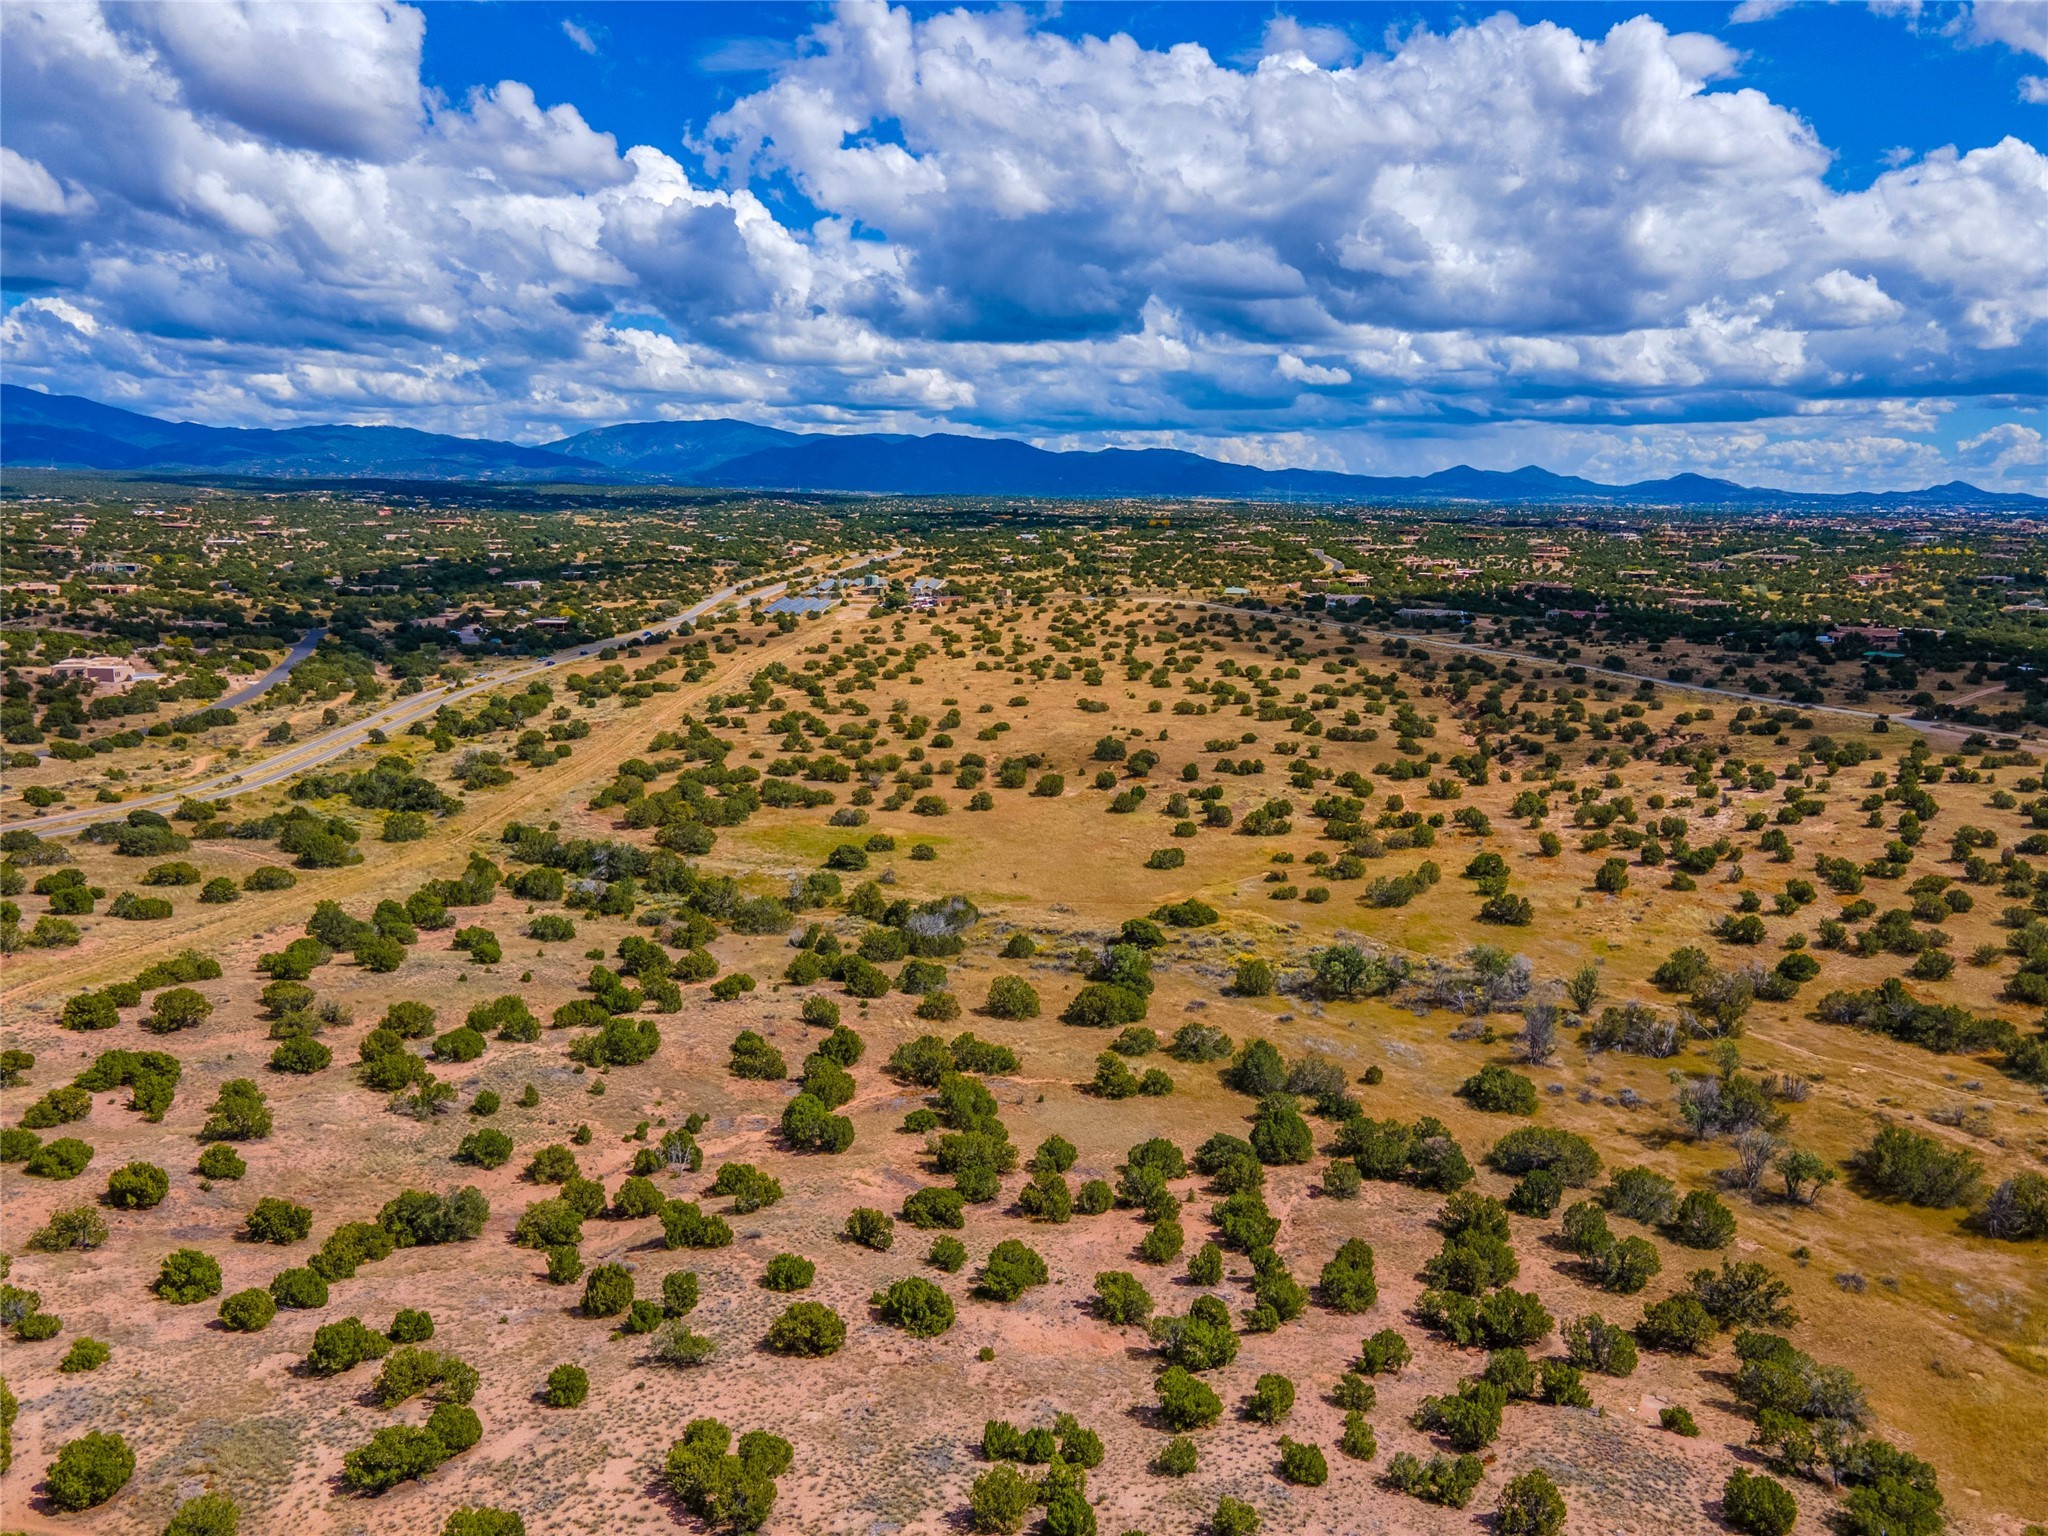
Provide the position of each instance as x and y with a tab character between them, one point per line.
105	671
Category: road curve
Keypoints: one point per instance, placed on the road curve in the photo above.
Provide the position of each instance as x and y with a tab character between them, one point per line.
307	644
311	753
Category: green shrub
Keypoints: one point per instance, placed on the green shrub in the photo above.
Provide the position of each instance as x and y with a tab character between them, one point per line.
1011	997
568	1386
936	1206
1358	1441
416	1218
552	1164
1679	1421
221	1162
1000	1501
89	1471
84	1355
460	1044
915	1305
1440	1480
1185	1402
871	1229
77	1229
210	1514
1121	1299
807	1328
400	1453
1900	1164
1894	1505
679	1293
808	1125
239	1113
1354	1393
1593	1344
1570	1157
409	1371
788	1272
1701	1221
1678	1324
736	1491
948	1254
1530	1505
1348	1282
1010	1270
1468	1418
1498	1091
1271	1400
607	1291
1047	1198
685	1225
1177	1458
300	1288
60	1106
342	1346
1640	1194
278	1221
1233	1517
301	1056
488	1147
64	1158
754	1058
247	1311
186	1276
1386	1353
1303	1464
1758	1505
1163	1243
1744	1295
481	1520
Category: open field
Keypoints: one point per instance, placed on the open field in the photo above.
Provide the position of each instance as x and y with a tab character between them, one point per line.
1566	779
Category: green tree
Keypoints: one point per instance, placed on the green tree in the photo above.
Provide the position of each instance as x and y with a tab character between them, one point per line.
1758	1505
1185	1402
1000	1500
1530	1505
915	1305
186	1276
807	1328
89	1471
1271	1400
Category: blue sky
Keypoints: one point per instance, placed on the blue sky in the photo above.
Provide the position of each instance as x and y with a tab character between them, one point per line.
1803	245
1870	83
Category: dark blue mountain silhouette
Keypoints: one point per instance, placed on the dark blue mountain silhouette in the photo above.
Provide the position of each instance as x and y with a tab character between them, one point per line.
68	432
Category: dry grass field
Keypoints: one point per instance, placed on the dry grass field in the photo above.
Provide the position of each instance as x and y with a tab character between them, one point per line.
1946	1329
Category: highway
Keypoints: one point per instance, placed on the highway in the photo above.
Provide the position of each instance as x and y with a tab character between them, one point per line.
391	718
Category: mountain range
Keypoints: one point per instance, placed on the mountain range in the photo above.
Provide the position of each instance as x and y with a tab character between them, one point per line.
40	430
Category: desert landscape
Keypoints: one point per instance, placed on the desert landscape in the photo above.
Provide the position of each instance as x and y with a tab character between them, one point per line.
1235	885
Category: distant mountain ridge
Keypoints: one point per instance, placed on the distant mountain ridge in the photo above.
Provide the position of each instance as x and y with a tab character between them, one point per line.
69	432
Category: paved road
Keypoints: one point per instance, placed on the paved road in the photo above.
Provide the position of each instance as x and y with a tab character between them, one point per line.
308	643
395	716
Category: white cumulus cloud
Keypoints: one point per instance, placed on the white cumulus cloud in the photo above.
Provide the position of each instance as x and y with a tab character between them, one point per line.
262	211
